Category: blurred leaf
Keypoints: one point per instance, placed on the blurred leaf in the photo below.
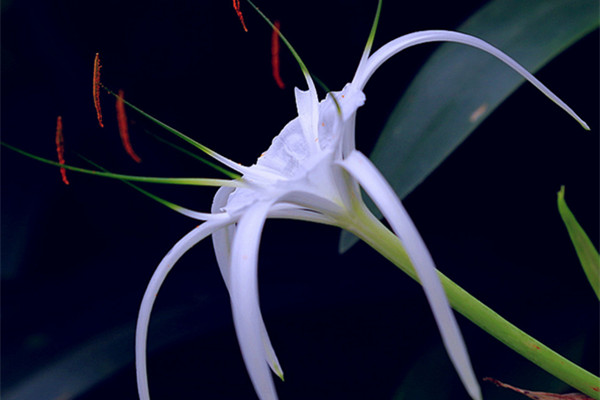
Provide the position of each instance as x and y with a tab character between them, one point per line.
442	379
459	86
540	395
442	382
75	372
92	362
587	253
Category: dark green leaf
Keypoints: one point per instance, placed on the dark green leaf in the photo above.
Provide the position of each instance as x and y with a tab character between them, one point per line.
587	253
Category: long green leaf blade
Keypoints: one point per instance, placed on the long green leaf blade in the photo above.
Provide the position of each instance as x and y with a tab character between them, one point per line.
587	253
459	87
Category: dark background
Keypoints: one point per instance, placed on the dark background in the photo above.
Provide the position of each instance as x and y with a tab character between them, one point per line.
76	259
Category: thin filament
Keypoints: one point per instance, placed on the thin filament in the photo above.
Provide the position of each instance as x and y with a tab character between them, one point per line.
123	128
96	89
238	11
275	55
60	149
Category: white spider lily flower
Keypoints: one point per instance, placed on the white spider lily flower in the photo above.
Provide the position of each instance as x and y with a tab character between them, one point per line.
313	172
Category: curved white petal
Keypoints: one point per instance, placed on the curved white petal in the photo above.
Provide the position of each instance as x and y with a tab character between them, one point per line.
222	242
201	216
222	238
244	298
412	39
141	333
383	195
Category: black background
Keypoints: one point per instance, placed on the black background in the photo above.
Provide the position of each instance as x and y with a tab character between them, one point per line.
76	259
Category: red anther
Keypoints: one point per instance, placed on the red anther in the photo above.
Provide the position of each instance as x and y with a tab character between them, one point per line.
123	128
60	148
236	6
96	88
275	55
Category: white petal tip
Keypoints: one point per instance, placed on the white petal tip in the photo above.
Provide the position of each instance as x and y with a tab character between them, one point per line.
280	375
475	392
584	125
275	367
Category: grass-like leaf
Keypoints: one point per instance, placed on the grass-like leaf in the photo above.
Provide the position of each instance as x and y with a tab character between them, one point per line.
587	253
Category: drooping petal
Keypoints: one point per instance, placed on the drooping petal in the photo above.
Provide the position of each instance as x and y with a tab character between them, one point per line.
223	237
365	172
244	298
222	243
141	334
412	39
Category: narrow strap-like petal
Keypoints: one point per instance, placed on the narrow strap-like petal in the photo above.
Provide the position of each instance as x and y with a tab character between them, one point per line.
244	298
222	242
365	172
413	39
199	216
222	238
141	334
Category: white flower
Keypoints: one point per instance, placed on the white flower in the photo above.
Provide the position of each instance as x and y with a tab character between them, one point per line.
312	172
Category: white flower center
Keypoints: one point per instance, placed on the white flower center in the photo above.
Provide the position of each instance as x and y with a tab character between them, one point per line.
299	161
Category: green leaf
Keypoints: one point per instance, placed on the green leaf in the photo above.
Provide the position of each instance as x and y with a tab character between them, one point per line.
459	86
587	253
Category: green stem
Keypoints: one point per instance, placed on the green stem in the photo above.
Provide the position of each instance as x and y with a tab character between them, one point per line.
374	233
